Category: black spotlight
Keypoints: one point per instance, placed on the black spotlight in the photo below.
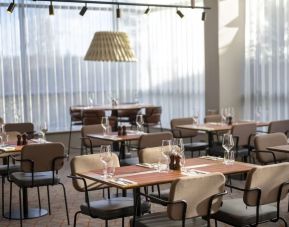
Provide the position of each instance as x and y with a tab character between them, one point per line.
147	11
83	10
11	7
118	12
51	9
204	16
181	15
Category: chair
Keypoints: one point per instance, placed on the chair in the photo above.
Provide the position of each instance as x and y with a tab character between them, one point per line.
1	121
91	116
152	117
75	120
187	134
279	126
89	143
153	139
213	118
187	201
264	186
25	127
40	164
128	115
244	135
105	209
262	141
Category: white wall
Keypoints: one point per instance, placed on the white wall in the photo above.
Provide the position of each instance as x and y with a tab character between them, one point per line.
232	53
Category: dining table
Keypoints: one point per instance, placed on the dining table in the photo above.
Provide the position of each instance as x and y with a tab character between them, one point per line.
212	128
137	176
120	140
280	148
28	212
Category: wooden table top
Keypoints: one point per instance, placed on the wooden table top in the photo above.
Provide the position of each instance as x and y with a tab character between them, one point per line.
217	126
139	176
131	135
280	148
110	107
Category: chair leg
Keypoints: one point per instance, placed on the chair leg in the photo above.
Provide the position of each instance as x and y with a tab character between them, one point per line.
75	217
39	200
216	223
106	223
69	139
10	200
284	221
20	206
48	199
3	181
122	222
65	201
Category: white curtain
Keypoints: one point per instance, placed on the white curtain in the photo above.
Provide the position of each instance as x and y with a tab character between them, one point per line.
42	71
267	59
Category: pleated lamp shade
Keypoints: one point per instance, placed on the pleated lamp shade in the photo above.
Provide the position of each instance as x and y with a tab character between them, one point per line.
110	46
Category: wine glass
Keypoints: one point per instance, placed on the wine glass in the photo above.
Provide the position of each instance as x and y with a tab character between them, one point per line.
227	144
139	122
178	146
164	161
105	157
104	124
196	117
44	129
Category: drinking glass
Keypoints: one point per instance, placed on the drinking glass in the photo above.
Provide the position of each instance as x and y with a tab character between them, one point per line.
164	161
105	157
228	144
139	123
104	124
178	146
44	129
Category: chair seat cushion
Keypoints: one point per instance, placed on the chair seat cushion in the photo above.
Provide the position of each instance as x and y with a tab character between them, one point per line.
195	146
40	179
12	168
159	219
236	213
113	208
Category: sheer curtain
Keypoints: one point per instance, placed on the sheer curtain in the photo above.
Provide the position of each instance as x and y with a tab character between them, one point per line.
42	71
267	59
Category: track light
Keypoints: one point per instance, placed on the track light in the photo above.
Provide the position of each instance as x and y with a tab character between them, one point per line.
204	16
147	11
51	9
83	10
11	7
118	12
181	15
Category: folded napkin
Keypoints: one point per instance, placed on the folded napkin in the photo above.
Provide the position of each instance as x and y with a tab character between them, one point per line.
148	165
211	158
7	148
122	181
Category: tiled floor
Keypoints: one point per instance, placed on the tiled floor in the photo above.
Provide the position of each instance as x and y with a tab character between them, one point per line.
58	216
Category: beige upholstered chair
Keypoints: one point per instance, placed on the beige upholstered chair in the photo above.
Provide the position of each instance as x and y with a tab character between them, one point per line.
154	139
105	209
128	115
46	159
244	136
91	116
187	134
187	201
89	143
25	127
265	186
152	117
1	121
279	126
213	118
262	141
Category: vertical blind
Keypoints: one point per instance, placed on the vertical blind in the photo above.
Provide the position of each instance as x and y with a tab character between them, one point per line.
42	71
267	59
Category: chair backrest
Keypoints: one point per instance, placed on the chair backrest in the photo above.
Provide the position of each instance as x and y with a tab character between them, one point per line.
19	127
91	116
153	115
213	118
43	156
150	155
263	141
188	189
86	163
269	179
1	121
243	131
278	126
12	135
93	129
129	113
75	113
154	139
182	133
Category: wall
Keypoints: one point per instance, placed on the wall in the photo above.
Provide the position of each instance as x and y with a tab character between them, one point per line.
232	53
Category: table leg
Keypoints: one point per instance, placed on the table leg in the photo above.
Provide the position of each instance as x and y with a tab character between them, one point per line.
122	150
137	204
28	213
210	142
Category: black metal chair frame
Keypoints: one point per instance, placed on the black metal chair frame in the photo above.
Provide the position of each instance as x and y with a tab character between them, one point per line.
31	163
258	198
